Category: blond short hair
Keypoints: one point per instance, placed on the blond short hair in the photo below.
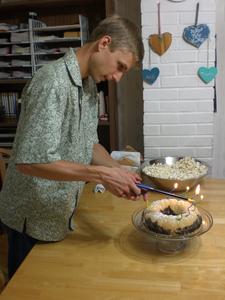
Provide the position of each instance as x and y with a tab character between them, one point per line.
124	34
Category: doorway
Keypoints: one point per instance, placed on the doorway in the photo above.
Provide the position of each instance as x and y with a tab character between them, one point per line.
218	169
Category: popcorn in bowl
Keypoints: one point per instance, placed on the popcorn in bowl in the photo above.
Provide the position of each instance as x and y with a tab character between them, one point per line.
182	169
164	172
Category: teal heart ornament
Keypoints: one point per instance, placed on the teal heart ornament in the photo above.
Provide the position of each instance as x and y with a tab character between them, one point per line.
207	74
196	34
150	76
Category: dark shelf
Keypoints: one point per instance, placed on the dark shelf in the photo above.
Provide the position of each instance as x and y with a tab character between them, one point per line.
29	5
13	81
8	122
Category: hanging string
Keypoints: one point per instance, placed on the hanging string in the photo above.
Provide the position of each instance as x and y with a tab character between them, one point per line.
208	52
159	21
149	56
197	13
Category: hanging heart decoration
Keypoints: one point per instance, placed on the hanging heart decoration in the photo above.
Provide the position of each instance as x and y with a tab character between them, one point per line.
207	74
159	43
150	76
196	34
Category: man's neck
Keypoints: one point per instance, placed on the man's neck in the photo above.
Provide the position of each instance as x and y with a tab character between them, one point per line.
83	55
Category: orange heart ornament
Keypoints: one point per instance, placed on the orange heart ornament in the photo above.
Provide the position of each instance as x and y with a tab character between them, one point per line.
160	43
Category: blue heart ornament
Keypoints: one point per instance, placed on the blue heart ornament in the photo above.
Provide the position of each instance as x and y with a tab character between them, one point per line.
207	74
196	34
150	76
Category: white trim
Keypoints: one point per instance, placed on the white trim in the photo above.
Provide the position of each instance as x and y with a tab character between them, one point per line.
218	170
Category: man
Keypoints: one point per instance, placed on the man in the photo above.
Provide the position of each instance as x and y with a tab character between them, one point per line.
56	147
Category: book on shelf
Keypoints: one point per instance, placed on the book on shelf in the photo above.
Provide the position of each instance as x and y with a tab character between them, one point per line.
8	101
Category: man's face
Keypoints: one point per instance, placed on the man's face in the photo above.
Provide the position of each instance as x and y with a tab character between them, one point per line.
107	65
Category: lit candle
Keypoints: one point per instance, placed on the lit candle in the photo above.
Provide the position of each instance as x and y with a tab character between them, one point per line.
186	192
175	185
197	190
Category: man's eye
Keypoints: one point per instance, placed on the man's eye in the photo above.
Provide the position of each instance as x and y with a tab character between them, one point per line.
121	68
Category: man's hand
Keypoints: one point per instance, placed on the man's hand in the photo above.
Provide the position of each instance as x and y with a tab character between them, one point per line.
114	177
121	182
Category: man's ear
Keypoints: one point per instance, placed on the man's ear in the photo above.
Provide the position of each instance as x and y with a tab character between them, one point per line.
104	42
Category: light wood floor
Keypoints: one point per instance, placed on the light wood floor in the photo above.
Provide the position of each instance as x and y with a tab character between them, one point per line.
3	260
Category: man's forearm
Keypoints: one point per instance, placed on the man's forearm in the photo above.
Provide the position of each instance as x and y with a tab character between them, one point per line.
63	171
106	171
72	171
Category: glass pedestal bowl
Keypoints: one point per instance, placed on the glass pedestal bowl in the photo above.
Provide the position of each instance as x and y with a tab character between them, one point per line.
172	243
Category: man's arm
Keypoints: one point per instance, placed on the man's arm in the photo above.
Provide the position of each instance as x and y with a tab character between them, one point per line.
118	181
72	171
61	170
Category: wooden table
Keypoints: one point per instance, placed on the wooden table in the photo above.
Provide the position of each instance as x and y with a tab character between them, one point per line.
107	258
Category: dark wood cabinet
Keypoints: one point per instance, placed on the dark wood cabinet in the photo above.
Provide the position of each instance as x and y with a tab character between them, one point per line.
125	100
55	13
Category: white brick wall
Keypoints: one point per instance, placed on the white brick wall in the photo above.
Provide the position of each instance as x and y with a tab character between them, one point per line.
178	107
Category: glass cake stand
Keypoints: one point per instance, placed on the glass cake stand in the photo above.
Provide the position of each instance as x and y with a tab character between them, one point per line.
172	243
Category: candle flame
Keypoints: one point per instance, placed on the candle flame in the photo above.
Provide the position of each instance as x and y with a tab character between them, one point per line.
197	190
201	197
187	188
175	185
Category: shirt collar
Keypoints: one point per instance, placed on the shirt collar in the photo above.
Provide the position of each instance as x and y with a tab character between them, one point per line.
73	66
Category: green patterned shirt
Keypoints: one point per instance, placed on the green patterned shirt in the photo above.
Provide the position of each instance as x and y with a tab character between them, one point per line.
58	121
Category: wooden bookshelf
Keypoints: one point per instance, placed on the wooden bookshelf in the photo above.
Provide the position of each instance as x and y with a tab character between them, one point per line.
61	15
